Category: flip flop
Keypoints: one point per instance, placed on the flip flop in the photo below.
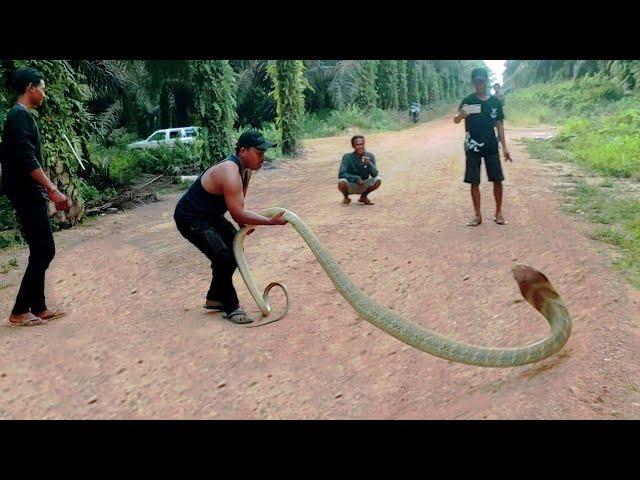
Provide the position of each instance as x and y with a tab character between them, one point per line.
474	222
502	221
238	316
31	322
53	315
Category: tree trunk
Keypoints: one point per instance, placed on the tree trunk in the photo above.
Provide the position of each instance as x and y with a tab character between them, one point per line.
289	86
214	106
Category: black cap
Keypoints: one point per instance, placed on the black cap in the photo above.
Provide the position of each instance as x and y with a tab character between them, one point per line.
253	138
479	74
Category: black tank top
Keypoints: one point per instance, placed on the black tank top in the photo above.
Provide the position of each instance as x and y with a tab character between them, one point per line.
197	202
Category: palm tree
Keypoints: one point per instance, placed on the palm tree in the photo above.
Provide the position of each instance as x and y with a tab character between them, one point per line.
367	95
289	86
387	85
214	104
171	79
253	84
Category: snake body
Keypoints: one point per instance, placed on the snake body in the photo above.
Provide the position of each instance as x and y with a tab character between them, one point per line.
534	286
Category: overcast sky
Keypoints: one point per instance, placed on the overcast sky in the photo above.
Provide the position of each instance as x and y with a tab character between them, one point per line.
497	67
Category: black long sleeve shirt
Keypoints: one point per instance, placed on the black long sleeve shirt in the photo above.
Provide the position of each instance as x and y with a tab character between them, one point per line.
21	155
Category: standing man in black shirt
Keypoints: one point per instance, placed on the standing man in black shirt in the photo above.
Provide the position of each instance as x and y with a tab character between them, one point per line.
482	114
29	190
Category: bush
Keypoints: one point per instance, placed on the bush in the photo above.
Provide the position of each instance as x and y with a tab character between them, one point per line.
601	128
118	166
336	122
555	102
10	239
609	145
8	220
90	193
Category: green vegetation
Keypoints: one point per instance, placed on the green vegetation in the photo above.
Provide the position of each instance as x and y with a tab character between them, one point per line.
554	103
599	115
388	85
289	85
337	122
524	73
608	145
619	222
9	265
367	96
213	84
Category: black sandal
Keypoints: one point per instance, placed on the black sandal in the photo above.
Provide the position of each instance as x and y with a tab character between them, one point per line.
238	316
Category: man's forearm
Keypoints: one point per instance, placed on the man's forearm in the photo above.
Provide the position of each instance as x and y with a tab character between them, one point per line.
249	218
501	137
39	176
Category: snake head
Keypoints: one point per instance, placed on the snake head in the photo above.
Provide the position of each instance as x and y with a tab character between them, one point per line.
534	285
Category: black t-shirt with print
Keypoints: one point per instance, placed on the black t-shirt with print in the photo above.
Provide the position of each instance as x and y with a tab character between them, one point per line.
480	127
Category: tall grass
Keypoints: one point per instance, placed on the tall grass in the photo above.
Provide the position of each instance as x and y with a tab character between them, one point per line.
608	145
600	125
337	122
554	103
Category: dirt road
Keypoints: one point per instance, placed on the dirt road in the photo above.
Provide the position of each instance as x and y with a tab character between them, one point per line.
137	343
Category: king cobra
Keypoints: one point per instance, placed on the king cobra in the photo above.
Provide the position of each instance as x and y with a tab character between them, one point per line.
534	286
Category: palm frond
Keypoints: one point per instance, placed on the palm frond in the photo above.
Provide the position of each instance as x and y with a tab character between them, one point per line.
345	82
103	123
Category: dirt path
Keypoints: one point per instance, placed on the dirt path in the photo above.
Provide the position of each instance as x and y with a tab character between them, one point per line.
137	343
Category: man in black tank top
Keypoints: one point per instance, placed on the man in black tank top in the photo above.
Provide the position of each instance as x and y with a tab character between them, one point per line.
199	216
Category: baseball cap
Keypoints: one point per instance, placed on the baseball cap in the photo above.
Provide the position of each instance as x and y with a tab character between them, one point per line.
479	74
253	138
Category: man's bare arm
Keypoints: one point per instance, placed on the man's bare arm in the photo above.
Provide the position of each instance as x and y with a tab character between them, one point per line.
503	141
55	195
39	176
234	198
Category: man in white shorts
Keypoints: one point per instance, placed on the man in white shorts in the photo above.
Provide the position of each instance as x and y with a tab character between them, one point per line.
358	173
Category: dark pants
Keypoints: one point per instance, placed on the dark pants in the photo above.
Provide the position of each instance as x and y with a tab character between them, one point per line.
33	215
214	238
